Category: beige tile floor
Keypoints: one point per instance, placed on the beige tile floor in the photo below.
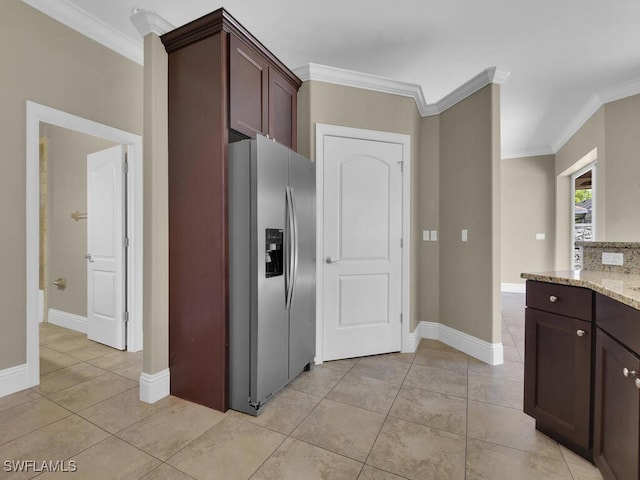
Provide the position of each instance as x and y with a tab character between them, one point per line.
435	414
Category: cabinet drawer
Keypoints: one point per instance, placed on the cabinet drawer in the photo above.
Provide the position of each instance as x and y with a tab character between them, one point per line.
573	302
619	320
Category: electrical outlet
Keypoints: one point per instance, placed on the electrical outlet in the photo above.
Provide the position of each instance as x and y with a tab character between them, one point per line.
540	236
465	235
425	235
609	258
434	235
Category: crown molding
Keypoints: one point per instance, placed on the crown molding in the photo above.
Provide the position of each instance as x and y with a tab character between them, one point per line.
81	21
349	78
147	22
591	106
484	78
527	152
587	110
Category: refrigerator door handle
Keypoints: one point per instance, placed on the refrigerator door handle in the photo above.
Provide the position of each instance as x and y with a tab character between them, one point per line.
294	269
289	253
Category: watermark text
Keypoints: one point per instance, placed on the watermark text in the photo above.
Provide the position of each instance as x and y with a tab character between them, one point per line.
39	466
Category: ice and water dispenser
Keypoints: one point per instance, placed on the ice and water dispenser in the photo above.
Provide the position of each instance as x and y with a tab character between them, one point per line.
273	252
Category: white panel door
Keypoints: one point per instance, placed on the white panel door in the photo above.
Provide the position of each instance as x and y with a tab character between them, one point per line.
105	250
362	277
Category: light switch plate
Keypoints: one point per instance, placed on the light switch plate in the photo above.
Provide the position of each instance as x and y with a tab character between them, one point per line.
540	236
434	235
425	235
465	234
609	258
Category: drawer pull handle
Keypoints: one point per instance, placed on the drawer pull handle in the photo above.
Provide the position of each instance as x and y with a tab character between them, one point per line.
626	372
553	299
580	333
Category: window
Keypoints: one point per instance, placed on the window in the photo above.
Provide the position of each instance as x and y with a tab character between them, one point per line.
582	210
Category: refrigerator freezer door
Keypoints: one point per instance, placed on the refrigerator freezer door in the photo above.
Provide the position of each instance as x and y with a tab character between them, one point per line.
302	181
269	320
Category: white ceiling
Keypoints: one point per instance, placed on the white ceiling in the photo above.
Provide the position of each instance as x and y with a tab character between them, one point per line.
566	57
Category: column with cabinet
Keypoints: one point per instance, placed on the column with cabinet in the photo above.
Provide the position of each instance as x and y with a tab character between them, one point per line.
224	86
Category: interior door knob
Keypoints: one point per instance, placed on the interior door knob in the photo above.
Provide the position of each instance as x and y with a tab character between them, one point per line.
330	260
626	372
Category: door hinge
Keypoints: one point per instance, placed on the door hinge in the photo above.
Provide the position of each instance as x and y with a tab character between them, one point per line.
125	166
125	317
401	242
125	242
401	318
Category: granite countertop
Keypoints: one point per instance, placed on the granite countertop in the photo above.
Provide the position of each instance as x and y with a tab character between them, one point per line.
623	287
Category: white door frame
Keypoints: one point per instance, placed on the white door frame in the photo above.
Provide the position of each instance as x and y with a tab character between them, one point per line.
37	113
322	131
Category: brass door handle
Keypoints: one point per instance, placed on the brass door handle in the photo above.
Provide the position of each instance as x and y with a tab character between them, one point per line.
61	283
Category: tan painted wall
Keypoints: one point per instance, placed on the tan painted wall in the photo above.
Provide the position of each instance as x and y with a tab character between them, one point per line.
320	102
622	138
469	199
67	238
429	218
568	161
48	63
528	202
156	208
615	131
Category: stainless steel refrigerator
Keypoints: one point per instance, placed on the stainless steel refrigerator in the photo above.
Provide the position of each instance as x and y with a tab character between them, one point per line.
271	270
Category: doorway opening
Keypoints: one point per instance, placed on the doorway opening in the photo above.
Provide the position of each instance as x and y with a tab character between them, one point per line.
582	210
37	116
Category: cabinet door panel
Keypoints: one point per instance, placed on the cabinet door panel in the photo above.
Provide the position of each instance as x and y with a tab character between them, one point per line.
248	89
557	390
616	443
282	110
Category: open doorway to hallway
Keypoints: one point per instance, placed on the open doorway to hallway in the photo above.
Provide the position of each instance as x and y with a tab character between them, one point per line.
40	116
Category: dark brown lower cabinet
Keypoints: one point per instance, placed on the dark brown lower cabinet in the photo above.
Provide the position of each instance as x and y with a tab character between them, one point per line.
557	386
616	444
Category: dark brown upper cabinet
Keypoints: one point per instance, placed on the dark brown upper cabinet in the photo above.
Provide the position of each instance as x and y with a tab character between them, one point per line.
224	85
262	100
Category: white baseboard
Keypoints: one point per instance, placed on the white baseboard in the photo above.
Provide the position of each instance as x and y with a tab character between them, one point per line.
491	353
14	379
154	387
513	287
68	320
412	341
